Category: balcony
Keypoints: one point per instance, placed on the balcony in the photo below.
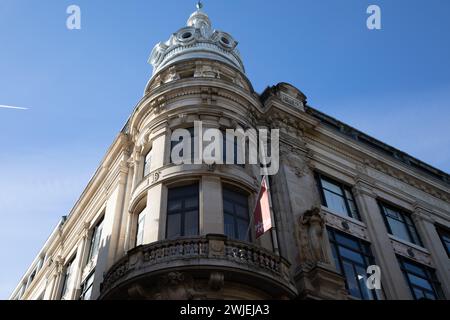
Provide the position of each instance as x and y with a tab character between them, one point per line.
210	267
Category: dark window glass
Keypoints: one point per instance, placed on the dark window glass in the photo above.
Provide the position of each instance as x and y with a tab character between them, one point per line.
174	143
86	288
337	197
182	212
400	224
95	240
421	280
445	237
352	257
236	215
67	278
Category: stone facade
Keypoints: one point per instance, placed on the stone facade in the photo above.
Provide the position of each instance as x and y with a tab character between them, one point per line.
199	76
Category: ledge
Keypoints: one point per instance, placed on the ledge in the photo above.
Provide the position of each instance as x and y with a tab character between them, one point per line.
241	263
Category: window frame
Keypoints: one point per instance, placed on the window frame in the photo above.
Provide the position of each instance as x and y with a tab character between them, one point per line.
344	187
183	209
385	205
67	277
443	231
430	277
235	216
83	287
364	250
147	163
138	224
91	256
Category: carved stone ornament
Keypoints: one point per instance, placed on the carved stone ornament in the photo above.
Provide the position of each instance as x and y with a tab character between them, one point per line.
300	165
176	286
311	228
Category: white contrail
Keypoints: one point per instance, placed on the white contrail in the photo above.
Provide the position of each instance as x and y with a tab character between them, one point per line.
11	107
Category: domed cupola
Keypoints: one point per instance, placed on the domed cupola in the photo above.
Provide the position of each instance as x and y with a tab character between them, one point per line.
197	41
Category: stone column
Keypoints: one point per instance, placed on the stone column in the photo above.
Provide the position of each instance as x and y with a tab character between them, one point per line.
111	229
58	279
431	240
211	206
392	280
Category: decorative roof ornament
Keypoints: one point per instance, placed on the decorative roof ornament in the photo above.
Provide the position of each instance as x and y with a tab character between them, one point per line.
198	40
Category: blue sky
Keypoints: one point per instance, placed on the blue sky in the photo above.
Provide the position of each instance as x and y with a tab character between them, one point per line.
81	86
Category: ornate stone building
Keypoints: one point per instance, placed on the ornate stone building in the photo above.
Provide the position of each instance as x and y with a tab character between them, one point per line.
145	228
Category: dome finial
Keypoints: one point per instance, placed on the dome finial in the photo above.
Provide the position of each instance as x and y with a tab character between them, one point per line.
199	5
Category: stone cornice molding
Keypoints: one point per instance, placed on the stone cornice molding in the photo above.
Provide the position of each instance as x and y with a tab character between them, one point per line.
377	162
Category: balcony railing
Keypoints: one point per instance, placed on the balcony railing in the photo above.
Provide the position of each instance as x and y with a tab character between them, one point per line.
215	251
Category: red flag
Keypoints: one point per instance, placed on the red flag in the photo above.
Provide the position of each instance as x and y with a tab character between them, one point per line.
262	215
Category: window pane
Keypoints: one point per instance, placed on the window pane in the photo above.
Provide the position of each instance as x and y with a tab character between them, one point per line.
335	203
352	281
351	255
398	229
173	226
229	226
418	294
236	214
242	230
331	187
242	211
414	269
353	210
191	203
420	282
336	259
191	223
346	241
174	205
182	219
393	213
430	296
362	279
140	229
228	207
148	163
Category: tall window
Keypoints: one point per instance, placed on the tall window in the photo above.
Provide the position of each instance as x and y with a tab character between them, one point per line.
140	229
148	163
69	270
95	240
400	224
352	257
86	287
236	214
337	197
183	212
421	280
444	234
